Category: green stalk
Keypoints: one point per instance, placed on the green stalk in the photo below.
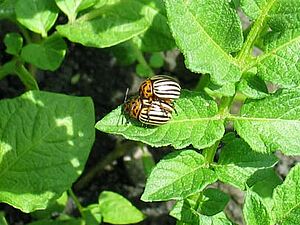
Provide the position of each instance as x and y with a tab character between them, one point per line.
255	31
26	77
209	153
76	201
25	34
203	82
141	59
98	169
199	200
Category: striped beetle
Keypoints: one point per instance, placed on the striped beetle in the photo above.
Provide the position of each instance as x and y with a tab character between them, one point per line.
160	87
153	113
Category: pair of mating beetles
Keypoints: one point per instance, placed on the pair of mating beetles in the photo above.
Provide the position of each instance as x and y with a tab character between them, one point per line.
154	104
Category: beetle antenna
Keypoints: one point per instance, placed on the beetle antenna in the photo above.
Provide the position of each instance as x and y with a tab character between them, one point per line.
126	95
125	99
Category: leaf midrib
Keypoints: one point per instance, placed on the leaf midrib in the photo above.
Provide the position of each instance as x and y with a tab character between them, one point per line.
261	119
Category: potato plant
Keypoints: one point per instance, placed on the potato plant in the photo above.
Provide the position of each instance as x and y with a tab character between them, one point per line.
45	138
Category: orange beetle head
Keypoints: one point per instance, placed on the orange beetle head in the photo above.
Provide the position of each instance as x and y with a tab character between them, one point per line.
146	90
133	107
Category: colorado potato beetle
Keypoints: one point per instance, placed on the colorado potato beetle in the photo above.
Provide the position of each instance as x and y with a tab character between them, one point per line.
160	87
153	112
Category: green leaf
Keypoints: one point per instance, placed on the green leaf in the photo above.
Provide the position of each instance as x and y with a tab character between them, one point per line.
8	68
158	37
107	26
186	215
45	140
116	209
215	202
255	212
72	7
263	182
37	15
253	8
92	215
13	43
59	222
279	64
178	175
15	67
57	207
183	211
205	32
196	122
125	53
143	70
238	162
272	123
217	90
286	199
48	55
156	60
280	14
253	86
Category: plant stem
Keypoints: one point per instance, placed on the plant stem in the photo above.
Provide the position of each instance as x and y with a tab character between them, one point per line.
225	105
255	31
209	153
204	80
25	34
141	59
118	152
26	77
199	200
76	201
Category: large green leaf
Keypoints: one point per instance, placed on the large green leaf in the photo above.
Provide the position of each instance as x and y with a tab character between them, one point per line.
255	212
286	197
279	63
238	162
177	176
158	37
47	55
185	213
254	8
45	140
107	26
280	14
272	123
36	15
205	32
72	7
196	122
92	215
214	202
116	209
252	86
263	182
